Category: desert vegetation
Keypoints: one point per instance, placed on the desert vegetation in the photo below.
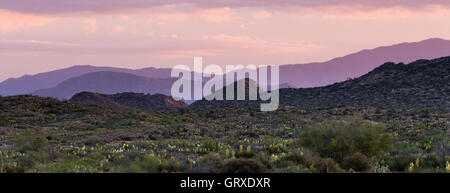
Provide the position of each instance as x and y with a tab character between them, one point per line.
46	135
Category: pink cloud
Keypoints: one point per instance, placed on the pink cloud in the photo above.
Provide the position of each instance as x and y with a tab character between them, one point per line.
62	7
173	46
12	22
91	25
118	28
262	15
162	17
227	43
216	15
355	13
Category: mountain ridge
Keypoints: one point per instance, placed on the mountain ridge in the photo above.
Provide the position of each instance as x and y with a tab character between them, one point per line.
30	83
141	101
423	84
296	75
337	69
107	82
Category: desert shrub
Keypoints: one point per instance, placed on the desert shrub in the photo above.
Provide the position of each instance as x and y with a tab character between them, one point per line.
337	139
245	154
428	170
297	158
211	162
4	122
325	165
171	165
265	159
433	161
301	157
276	148
291	160
243	166
72	166
16	168
32	158
208	144
405	148
400	162
357	162
93	141
30	141
274	144
144	164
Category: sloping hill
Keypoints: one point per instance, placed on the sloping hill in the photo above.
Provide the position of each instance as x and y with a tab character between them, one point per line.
360	63
29	83
132	100
107	83
215	104
423	84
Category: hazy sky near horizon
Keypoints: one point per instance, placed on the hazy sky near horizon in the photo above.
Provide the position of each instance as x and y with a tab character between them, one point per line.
42	35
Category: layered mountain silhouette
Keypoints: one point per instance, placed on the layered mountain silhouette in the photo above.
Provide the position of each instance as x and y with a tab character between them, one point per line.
30	83
107	83
423	84
291	76
142	101
360	63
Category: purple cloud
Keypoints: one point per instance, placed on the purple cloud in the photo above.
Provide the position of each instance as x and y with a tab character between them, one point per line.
71	6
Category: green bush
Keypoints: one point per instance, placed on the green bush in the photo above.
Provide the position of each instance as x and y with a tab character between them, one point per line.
433	161
400	162
297	158
325	165
245	154
211	162
337	139
30	141
33	158
358	162
208	144
93	141
171	166
144	164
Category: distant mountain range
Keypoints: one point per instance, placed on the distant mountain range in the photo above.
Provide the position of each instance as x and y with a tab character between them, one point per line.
65	83
360	63
107	83
145	102
30	83
423	84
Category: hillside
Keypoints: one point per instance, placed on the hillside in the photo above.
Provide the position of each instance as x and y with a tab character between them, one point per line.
141	101
107	83
47	135
359	63
235	103
29	83
423	84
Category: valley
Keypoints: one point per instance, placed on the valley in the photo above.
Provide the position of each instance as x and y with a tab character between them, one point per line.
393	119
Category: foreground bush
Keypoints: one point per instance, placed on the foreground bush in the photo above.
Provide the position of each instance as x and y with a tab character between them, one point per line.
337	139
325	165
30	141
357	162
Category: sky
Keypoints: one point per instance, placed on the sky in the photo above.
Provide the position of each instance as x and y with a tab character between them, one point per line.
43	35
